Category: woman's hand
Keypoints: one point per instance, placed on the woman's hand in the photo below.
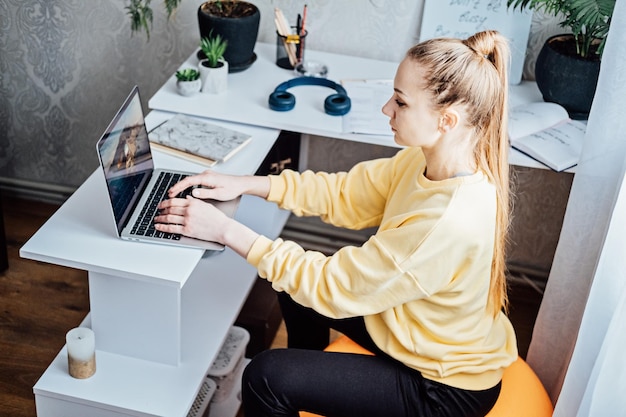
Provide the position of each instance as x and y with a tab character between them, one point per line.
222	187
202	220
191	217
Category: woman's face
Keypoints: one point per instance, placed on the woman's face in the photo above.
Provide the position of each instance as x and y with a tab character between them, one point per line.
411	118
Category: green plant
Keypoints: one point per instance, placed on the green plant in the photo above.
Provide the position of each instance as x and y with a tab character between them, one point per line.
187	74
589	20
141	14
213	48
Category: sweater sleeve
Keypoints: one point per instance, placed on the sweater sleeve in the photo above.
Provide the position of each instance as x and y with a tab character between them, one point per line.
386	271
354	199
427	237
352	282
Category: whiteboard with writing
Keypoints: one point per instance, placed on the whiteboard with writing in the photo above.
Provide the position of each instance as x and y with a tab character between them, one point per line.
463	18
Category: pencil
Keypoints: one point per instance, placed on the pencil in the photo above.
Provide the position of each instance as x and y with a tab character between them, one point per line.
303	21
288	42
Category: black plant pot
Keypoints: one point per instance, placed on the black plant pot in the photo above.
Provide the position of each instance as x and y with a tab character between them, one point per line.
565	78
240	32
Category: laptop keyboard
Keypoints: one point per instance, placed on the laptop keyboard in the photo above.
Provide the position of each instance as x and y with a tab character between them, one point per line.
144	226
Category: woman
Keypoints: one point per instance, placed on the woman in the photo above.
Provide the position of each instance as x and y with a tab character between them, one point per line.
426	292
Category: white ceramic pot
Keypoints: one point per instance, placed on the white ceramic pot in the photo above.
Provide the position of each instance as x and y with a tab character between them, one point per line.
214	80
188	88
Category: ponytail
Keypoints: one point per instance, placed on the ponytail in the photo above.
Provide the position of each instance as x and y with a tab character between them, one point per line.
474	73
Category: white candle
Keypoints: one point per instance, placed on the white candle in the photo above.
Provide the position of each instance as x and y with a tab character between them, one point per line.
81	352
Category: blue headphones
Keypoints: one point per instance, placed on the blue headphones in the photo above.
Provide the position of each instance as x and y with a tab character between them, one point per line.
335	104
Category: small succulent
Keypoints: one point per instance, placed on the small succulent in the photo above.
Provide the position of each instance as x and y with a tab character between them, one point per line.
187	74
213	48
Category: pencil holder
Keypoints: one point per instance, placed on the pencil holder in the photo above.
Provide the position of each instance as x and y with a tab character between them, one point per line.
290	49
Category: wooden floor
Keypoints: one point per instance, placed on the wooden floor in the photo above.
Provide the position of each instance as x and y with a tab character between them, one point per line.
40	302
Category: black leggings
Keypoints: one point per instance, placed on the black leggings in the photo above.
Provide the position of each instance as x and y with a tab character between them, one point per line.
281	382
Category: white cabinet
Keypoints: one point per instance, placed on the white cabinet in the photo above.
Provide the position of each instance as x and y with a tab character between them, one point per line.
160	313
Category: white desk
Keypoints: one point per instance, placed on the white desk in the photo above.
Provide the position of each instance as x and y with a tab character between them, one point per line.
248	92
159	313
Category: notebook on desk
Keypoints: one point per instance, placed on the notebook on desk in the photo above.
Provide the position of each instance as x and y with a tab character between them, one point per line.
134	186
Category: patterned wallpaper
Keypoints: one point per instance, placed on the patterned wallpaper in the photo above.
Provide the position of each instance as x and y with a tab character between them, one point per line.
66	66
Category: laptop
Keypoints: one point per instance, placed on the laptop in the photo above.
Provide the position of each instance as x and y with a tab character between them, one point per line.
135	187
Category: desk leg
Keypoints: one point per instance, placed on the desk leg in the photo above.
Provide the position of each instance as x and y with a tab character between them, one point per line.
303	159
136	318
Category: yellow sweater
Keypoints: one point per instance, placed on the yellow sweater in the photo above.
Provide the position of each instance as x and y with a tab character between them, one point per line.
421	282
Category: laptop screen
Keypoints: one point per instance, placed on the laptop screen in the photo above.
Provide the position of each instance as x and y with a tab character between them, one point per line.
124	153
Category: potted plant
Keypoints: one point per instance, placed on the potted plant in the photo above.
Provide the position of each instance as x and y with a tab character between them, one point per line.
571	59
213	67
141	15
235	21
188	81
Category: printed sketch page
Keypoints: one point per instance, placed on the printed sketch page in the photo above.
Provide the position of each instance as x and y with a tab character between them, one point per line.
533	117
557	147
368	98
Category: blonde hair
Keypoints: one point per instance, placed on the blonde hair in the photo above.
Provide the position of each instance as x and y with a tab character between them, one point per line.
474	73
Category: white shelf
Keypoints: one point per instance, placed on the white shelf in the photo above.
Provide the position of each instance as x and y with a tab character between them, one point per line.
211	300
160	313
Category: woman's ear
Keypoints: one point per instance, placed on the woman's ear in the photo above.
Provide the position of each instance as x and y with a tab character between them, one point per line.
448	120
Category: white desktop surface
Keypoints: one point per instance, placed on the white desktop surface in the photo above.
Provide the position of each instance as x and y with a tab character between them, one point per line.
246	100
81	234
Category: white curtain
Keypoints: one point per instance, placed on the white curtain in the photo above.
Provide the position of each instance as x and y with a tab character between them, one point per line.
580	332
